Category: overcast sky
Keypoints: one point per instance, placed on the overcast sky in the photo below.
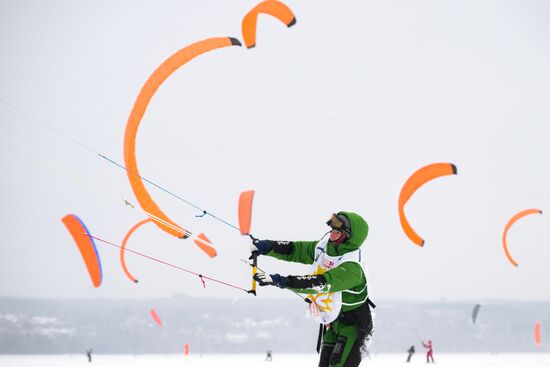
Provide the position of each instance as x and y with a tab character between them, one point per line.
332	114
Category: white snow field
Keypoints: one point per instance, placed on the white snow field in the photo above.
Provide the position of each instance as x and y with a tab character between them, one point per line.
286	360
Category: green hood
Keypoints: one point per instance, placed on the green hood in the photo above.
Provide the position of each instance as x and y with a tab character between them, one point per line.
359	231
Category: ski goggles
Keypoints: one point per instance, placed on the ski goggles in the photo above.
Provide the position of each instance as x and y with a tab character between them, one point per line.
339	223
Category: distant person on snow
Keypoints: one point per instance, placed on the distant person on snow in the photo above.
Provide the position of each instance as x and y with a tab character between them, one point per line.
89	354
429	352
269	356
411	352
336	287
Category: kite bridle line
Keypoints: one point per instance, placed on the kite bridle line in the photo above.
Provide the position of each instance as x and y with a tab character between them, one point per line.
204	212
89	149
198	239
201	276
254	263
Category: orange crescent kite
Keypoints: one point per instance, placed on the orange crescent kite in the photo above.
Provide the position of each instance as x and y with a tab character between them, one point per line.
86	246
511	222
201	241
414	182
147	92
271	7
123	248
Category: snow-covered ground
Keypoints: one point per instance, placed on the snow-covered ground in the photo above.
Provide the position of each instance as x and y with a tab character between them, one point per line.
286	360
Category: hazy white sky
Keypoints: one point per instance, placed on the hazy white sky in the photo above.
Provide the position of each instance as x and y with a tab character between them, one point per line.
332	114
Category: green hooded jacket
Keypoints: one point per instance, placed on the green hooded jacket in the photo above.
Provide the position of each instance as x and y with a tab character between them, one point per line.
347	276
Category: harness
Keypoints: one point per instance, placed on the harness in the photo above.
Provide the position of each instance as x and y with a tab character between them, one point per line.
348	318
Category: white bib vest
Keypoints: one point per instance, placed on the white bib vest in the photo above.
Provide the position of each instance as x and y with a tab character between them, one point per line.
325	307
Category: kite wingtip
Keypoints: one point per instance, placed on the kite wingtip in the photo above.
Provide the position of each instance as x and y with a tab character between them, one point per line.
455	171
235	42
292	22
252	291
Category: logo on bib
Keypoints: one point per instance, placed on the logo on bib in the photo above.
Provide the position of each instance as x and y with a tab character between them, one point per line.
328	264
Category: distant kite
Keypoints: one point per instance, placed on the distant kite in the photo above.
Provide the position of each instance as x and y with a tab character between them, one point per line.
538	338
86	246
156	317
414	182
271	7
475	313
510	223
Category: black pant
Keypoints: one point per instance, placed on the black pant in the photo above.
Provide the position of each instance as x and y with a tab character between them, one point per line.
361	319
354	357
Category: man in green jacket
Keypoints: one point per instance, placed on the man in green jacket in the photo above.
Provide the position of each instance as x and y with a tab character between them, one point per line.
336	287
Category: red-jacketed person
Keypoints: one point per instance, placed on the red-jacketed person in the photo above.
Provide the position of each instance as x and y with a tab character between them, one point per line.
429	352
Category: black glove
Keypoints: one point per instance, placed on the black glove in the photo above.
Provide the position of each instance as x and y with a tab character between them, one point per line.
264	279
262	247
